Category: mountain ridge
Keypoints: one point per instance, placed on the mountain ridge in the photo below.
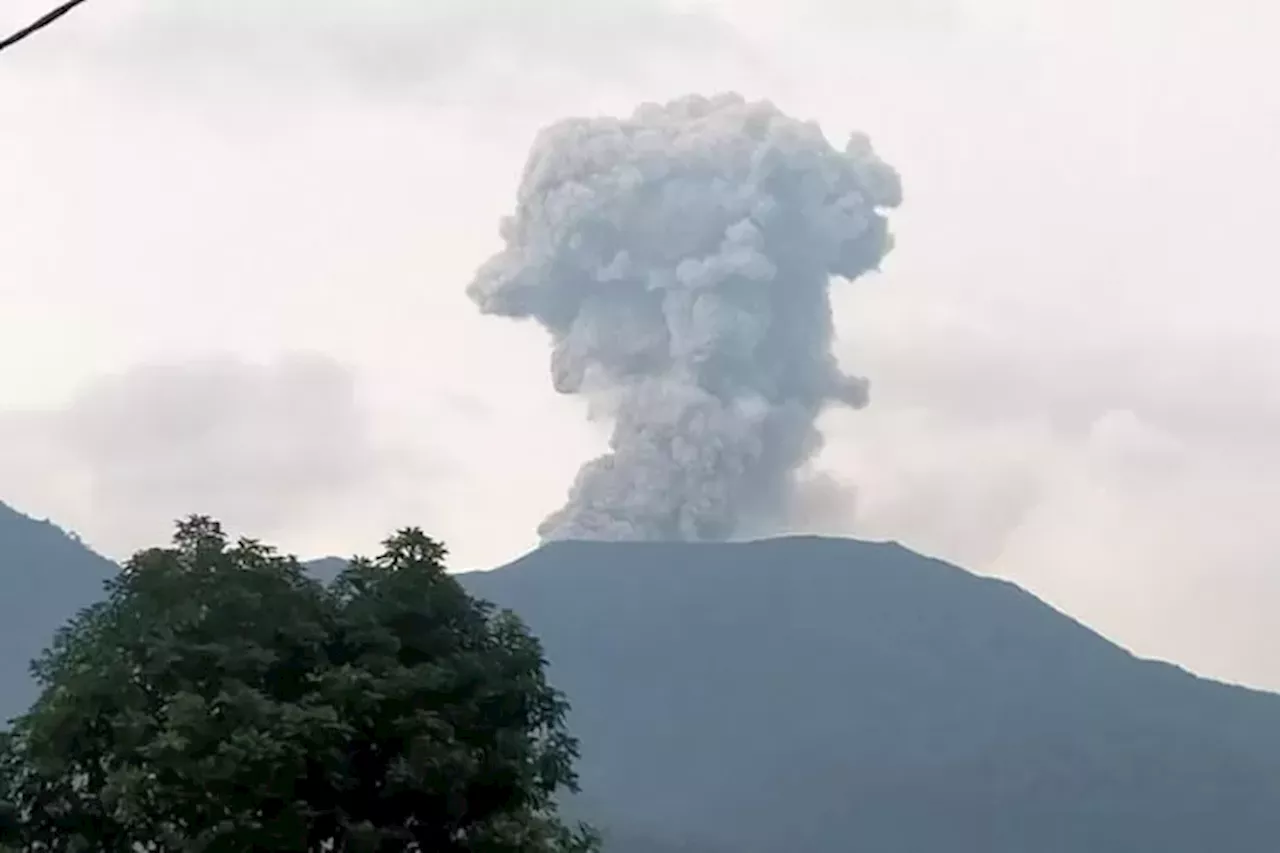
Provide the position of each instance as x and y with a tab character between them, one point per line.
832	694
48	574
805	691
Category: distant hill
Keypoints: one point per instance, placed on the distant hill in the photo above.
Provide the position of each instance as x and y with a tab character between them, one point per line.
832	695
826	696
46	576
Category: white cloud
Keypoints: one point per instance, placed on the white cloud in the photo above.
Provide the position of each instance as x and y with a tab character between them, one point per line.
268	448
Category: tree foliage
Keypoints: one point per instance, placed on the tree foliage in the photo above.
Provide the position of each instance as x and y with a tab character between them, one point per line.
220	699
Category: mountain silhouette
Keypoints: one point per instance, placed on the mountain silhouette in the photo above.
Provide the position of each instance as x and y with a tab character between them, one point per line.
834	695
46	576
825	695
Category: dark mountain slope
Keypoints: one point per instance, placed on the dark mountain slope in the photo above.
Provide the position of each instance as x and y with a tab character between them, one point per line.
46	576
826	695
833	695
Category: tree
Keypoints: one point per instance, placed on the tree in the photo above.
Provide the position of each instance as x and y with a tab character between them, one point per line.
220	699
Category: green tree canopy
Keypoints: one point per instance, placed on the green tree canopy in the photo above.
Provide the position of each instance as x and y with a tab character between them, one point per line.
220	699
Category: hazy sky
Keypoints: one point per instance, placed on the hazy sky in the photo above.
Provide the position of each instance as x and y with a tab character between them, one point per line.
235	236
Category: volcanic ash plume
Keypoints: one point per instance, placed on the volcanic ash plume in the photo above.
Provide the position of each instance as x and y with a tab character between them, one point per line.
681	259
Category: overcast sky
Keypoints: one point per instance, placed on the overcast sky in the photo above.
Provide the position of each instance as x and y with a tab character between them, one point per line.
235	236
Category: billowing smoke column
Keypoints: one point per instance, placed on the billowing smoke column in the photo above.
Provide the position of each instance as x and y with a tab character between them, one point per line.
681	260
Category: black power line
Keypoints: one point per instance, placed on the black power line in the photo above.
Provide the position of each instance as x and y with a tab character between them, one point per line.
40	24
